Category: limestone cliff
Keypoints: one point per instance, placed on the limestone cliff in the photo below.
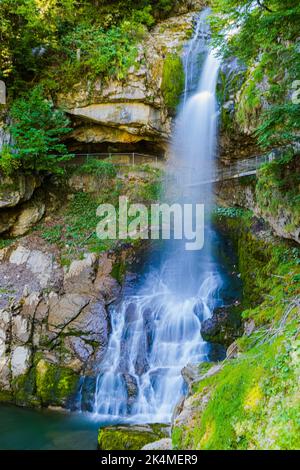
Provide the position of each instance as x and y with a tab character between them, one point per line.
131	110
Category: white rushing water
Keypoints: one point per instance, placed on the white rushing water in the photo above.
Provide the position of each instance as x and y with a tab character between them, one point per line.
156	331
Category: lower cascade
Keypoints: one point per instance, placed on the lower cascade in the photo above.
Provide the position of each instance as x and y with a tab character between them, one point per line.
155	332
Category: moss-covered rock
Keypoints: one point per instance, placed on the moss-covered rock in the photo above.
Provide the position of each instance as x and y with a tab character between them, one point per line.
172	81
130	437
55	385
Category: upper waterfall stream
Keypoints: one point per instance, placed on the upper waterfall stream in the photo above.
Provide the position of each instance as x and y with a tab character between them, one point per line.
155	331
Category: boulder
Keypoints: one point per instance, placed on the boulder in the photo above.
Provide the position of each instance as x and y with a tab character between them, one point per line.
161	444
29	214
130	437
17	189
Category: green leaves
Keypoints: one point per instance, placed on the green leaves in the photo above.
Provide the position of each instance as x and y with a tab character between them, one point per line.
36	130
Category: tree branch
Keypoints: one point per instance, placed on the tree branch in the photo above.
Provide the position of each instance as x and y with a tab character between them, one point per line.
262	5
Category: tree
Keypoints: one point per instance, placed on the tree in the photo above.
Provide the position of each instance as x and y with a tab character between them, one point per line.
36	130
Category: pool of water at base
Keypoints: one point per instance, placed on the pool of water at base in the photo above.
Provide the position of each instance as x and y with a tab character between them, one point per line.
26	429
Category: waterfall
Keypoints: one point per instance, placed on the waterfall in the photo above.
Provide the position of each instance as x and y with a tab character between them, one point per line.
155	332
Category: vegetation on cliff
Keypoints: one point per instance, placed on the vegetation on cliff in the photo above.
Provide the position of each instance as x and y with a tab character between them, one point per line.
172	81
263	36
253	401
44	40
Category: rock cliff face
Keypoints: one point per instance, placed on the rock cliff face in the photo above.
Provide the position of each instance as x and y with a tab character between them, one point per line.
56	327
272	196
21	205
133	110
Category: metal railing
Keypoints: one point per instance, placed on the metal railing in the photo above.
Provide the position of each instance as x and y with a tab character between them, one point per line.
118	158
246	167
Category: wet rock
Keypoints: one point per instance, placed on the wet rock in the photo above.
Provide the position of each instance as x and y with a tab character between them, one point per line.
217	352
148	327
131	389
131	314
88	391
223	327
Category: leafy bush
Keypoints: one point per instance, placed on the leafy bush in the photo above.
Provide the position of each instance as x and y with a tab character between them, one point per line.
172	81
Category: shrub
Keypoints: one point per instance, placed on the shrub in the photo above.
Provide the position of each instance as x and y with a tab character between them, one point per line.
100	168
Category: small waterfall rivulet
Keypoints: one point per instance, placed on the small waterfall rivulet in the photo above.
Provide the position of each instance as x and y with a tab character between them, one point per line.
155	331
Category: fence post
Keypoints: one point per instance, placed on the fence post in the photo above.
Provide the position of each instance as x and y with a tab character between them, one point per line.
133	159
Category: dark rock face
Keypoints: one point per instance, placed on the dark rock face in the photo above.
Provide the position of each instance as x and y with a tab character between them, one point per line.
88	394
131	389
223	327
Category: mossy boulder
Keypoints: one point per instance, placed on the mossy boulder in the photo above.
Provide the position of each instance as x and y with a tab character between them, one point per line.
130	437
55	385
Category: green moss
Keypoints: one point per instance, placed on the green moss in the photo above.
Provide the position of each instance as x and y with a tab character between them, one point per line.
24	389
129	438
252	402
172	81
118	271
54	384
6	397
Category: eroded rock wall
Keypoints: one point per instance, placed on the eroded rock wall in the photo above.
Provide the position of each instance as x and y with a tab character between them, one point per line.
54	325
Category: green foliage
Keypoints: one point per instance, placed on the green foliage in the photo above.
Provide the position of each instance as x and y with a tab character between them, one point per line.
263	35
106	53
8	162
279	125
40	39
102	168
252	403
231	212
172	81
52	234
36	129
